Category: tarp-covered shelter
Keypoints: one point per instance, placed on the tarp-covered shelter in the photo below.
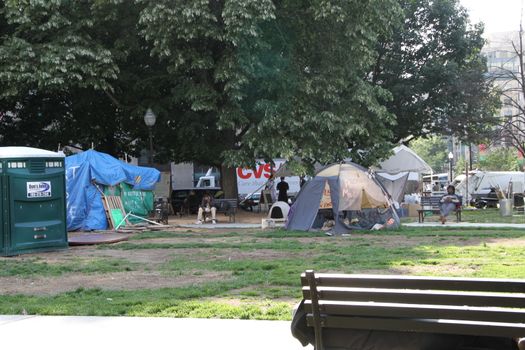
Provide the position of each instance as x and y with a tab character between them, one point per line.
88	173
346	194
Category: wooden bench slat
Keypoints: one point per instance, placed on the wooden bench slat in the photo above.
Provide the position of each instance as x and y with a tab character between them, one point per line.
495	329
422	283
432	204
447	305
419	297
468	313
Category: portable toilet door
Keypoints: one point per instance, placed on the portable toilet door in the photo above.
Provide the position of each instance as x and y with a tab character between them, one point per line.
33	200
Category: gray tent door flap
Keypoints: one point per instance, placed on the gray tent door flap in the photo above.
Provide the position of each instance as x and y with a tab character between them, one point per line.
306	206
339	227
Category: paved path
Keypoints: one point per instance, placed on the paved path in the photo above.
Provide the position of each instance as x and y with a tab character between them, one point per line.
144	333
219	225
464	224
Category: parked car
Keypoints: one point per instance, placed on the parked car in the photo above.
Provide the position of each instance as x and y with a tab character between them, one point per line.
485	198
250	201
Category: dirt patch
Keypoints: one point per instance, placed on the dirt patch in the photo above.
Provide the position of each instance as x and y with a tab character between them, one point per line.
145	256
112	281
129	280
252	301
506	242
421	270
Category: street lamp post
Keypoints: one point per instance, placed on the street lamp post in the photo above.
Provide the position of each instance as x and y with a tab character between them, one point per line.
450	159
149	119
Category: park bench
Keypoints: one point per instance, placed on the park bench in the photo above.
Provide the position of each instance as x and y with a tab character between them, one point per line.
228	207
411	306
430	204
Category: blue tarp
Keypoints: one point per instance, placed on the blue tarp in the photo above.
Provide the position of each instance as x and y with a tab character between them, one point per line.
85	210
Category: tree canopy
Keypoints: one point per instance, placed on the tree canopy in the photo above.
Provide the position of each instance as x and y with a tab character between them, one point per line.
236	80
433	150
434	69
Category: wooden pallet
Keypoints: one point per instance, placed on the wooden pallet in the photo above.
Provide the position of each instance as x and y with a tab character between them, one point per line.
115	212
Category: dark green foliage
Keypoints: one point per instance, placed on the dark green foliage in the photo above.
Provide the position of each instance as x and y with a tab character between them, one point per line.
433	67
232	81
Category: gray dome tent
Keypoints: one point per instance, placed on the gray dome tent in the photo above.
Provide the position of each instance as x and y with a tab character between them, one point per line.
346	193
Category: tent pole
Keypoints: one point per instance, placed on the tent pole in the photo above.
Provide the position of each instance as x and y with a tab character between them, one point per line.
137	217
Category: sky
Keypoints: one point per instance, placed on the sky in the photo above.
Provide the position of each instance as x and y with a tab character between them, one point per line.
498	15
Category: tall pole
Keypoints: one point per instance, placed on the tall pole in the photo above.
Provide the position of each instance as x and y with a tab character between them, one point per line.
450	171
149	120
467	162
150	160
450	158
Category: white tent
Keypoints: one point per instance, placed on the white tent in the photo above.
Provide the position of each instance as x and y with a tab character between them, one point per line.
403	166
404	160
394	184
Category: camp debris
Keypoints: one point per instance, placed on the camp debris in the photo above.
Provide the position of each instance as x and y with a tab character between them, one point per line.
104	192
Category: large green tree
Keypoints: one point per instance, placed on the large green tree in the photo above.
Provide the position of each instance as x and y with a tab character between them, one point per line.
274	79
235	80
433	67
231	81
61	68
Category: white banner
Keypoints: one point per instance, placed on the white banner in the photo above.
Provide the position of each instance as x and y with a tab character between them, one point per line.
250	180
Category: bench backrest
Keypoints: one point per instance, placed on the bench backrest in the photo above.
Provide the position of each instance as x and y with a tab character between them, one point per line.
486	307
225	204
433	201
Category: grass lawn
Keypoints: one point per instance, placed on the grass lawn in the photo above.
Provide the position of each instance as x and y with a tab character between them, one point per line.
245	274
491	215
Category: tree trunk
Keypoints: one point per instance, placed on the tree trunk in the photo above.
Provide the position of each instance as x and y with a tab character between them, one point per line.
229	182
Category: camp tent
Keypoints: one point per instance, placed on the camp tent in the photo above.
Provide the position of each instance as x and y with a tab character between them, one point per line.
90	173
394	184
404	167
346	193
404	160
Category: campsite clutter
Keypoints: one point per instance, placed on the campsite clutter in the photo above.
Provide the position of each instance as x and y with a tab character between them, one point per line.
352	197
341	198
106	193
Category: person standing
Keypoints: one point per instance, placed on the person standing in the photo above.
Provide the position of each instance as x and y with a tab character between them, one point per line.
270	188
283	188
302	181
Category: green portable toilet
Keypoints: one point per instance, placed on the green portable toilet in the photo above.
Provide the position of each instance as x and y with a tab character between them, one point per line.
33	200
